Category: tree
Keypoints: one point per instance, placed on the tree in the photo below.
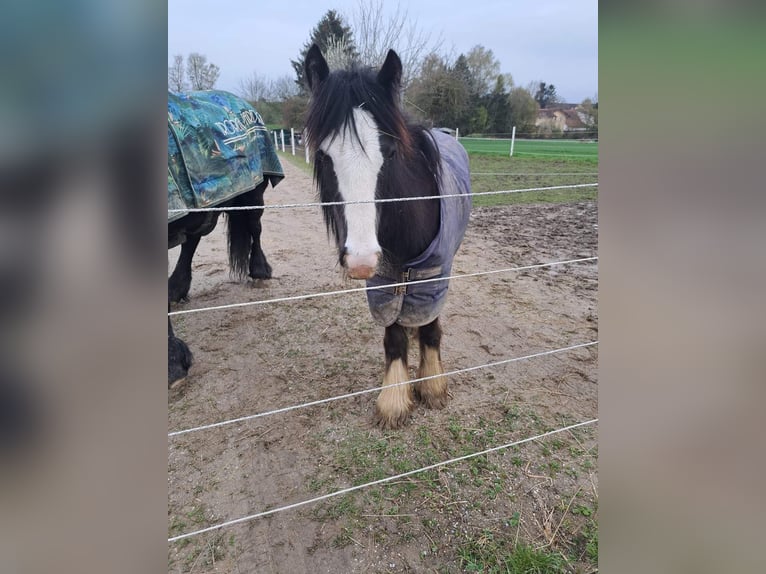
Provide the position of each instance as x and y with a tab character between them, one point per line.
202	76
546	95
375	34
523	110
330	31
294	110
176	77
429	92
255	88
484	69
338	54
590	112
283	88
498	108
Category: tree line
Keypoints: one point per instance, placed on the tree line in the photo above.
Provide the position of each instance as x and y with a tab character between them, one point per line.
468	92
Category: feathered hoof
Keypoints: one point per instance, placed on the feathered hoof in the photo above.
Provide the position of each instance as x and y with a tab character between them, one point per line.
433	393
261	273
437	402
390	421
393	409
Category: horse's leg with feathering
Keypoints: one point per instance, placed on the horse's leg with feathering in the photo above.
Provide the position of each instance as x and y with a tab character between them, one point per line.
246	257
259	267
394	402
433	392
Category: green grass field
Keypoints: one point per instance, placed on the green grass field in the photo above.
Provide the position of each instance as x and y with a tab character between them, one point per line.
494	172
526	148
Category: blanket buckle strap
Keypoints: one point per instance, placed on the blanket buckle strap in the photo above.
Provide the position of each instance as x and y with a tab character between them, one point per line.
402	289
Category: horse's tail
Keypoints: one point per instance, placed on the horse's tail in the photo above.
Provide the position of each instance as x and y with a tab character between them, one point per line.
240	242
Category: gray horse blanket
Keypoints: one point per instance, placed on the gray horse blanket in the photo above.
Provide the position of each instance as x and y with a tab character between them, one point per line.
218	148
419	304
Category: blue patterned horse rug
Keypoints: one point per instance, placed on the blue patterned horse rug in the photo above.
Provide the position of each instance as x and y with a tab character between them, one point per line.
419	304
218	148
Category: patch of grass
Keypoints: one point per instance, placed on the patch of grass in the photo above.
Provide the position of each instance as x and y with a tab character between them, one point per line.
483	484
591	542
582	510
344	538
344	506
495	555
196	515
522	148
204	553
520	172
493	173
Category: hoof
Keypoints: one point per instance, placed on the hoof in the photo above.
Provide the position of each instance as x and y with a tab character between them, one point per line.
390	421
261	273
177	384
392	410
434	402
180	360
178	289
178	297
433	393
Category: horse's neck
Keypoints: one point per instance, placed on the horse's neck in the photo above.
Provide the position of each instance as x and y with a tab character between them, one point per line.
407	228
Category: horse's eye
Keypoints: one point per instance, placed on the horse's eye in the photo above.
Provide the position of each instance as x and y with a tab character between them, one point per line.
389	150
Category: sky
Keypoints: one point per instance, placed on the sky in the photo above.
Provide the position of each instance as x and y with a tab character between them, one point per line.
555	41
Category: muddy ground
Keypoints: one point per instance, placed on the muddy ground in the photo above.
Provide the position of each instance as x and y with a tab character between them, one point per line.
460	517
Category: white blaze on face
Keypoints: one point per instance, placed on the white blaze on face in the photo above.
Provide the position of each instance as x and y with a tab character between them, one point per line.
357	163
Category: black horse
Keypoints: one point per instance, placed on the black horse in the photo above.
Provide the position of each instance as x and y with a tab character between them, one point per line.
365	149
246	257
219	154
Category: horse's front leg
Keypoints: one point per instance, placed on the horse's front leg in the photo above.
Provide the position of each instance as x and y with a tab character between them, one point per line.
433	392
394	402
180	281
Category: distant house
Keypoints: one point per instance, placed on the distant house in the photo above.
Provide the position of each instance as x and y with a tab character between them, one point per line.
564	118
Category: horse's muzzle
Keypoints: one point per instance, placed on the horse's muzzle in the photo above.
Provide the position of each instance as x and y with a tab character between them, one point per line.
361	266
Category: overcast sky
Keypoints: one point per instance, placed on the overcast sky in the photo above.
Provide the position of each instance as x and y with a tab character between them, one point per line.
555	41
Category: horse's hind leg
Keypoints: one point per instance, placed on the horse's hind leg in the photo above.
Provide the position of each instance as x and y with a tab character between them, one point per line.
433	392
394	402
180	281
259	267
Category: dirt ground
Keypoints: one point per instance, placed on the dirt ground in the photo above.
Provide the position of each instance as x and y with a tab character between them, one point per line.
264	357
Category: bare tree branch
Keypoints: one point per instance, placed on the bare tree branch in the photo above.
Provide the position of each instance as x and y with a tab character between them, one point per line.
254	88
176	76
375	34
202	76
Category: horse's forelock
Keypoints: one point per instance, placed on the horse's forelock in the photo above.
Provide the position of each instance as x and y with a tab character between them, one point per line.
331	109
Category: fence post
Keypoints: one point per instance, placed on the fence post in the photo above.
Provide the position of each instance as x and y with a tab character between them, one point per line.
305	146
513	138
276	143
292	139
457	133
282	133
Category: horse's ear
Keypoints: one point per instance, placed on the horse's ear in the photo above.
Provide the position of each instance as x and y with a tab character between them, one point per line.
315	68
390	74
